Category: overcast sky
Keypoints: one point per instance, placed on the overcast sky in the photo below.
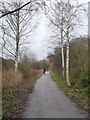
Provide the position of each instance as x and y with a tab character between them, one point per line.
39	38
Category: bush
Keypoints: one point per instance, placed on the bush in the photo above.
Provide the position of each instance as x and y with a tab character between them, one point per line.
85	80
25	67
7	64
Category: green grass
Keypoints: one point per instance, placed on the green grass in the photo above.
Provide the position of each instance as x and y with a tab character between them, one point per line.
0	109
8	102
79	95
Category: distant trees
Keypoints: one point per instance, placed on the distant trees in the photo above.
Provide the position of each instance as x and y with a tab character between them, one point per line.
15	27
42	64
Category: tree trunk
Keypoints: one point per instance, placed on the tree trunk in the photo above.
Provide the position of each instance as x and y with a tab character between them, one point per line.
67	61
17	41
67	48
16	65
63	66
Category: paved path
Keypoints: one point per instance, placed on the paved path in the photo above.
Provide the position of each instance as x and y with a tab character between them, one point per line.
48	101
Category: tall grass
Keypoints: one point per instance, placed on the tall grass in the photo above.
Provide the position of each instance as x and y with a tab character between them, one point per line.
11	78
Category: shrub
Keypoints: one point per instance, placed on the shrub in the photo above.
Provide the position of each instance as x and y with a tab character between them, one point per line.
85	80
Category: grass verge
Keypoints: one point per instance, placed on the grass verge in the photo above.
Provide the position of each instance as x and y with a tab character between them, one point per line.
79	96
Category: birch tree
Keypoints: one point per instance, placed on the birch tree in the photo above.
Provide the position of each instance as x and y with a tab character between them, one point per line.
16	28
71	21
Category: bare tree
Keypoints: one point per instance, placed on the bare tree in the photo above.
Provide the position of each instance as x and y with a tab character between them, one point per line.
17	27
5	13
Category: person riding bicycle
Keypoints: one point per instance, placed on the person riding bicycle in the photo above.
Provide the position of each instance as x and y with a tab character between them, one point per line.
44	70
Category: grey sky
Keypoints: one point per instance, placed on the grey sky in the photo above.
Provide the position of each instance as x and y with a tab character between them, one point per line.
39	38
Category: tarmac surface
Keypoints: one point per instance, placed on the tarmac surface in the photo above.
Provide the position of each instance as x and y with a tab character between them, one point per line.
48	101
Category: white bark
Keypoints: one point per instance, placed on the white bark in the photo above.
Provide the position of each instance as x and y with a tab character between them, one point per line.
16	65
63	66
67	65
17	39
67	48
62	49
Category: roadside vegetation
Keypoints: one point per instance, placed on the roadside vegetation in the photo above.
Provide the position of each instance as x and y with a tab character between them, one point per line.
16	86
79	77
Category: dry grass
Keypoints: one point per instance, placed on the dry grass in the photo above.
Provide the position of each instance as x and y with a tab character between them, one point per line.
11	79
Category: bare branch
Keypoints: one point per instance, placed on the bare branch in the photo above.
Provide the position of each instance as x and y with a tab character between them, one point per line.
10	12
